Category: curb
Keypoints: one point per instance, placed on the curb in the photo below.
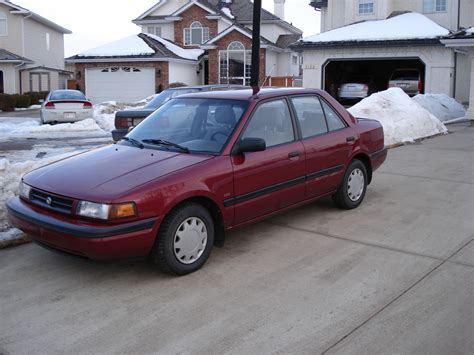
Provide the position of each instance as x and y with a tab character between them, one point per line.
21	239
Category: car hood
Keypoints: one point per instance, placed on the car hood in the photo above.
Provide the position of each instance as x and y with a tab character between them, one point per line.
106	173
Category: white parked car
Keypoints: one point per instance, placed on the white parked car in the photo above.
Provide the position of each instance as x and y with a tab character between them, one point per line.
65	106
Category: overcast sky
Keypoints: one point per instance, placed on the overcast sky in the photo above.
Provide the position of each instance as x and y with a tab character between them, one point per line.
95	22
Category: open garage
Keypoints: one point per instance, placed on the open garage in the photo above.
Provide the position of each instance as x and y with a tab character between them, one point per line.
379	71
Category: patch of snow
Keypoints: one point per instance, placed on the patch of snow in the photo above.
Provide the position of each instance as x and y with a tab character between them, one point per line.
445	108
132	45
32	128
227	12
32	107
12	172
10	234
191	54
406	26
403	119
470	30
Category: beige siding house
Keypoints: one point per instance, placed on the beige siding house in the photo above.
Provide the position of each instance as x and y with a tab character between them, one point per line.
31	51
330	57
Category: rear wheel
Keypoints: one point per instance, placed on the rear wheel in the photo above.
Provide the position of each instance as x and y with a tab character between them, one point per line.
185	240
354	185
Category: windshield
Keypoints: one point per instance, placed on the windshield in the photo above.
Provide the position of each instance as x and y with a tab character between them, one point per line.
166	95
67	95
200	125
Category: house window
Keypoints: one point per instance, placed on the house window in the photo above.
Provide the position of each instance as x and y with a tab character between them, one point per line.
3	24
154	30
196	34
48	42
430	6
235	64
294	60
366	7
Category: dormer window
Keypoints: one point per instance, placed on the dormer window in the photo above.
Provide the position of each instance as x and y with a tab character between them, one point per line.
366	7
3	24
196	34
154	30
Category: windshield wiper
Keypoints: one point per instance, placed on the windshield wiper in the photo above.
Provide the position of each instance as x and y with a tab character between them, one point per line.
166	143
134	142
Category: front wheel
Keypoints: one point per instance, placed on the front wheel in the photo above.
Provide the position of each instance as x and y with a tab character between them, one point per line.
354	185
185	240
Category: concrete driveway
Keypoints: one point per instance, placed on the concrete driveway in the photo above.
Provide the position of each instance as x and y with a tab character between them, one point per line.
393	276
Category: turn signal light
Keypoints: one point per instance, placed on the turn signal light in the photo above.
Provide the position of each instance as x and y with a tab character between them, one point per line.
123	210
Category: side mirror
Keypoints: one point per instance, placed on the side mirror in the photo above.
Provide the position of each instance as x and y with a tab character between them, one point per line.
250	145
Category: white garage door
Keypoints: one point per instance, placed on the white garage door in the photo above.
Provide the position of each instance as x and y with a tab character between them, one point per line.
122	84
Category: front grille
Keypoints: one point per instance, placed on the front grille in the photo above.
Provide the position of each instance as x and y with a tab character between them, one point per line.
50	201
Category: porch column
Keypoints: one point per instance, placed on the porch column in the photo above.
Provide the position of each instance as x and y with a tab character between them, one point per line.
470	110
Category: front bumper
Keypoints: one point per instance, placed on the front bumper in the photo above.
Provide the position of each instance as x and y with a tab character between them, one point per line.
92	240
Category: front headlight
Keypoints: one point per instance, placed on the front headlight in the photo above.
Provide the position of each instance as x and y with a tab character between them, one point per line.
24	190
105	211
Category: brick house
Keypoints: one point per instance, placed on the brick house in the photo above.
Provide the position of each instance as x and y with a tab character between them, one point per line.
193	42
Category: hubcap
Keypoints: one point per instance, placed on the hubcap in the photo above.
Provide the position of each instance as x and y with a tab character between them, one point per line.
355	184
190	240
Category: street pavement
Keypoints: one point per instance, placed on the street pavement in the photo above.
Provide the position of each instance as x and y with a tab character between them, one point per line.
394	276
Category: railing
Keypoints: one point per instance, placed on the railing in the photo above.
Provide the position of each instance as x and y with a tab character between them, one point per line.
281	81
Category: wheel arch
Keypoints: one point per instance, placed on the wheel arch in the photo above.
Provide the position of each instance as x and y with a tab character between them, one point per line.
364	158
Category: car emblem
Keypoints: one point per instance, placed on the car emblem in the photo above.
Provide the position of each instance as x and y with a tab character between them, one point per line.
49	200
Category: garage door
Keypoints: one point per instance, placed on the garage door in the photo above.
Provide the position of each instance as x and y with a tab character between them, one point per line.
122	84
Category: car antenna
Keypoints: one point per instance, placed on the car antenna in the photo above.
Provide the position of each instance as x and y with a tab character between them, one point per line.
254	76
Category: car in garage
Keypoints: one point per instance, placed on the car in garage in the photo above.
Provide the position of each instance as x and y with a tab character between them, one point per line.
201	165
356	87
409	80
65	106
126	119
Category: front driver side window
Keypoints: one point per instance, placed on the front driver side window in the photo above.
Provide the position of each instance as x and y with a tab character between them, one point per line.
271	121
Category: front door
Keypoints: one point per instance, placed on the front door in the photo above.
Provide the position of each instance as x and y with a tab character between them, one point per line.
270	180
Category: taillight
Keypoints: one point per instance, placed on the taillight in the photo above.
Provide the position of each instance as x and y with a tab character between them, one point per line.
420	86
391	85
49	105
87	105
366	87
123	122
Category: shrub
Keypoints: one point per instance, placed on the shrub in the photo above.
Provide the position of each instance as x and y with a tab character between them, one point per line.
35	97
7	102
22	101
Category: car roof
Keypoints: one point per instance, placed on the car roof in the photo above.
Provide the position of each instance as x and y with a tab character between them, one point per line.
248	94
207	87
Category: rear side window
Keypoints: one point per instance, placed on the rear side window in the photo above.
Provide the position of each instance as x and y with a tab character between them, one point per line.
271	121
333	119
310	115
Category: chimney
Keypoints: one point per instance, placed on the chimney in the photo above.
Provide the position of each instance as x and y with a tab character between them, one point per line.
279	8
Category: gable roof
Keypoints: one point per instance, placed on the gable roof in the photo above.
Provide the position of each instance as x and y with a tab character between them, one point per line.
406	26
241	11
145	47
9	57
16	9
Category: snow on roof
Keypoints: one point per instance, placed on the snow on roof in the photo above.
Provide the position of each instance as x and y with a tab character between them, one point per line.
191	54
132	45
406	26
227	12
470	30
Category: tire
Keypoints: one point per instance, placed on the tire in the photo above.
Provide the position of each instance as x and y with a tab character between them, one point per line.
185	226
352	191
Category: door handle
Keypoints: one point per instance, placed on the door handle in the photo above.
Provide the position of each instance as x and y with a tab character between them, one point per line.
294	154
350	139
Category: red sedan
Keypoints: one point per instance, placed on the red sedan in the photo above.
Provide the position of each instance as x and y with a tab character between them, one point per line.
199	166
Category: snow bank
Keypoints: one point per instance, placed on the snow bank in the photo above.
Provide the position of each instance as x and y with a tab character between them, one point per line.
132	45
191	54
406	26
442	106
12	172
402	118
227	12
10	234
32	128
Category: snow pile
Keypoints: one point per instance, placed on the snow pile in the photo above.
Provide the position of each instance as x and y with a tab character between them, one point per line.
403	119
132	45
470	30
104	113
9	235
442	106
226	11
12	172
406	26
191	54
32	129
